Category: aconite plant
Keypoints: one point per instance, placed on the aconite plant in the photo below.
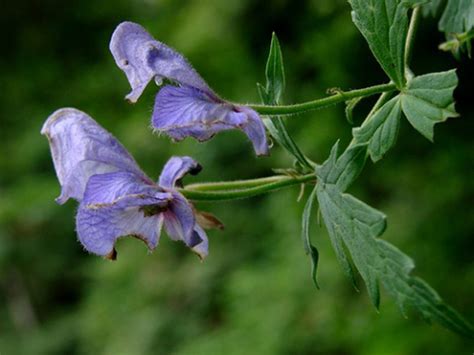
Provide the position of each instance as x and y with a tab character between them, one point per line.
116	198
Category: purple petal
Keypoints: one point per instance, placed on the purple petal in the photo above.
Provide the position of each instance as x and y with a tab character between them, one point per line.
99	228
175	169
81	148
110	188
201	247
189	112
255	130
142	58
179	219
120	204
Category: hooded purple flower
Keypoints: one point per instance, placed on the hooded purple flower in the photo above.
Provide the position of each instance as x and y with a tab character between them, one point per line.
189	109
115	197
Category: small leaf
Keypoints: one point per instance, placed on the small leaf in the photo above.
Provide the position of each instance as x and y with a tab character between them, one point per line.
457	43
380	131
384	24
354	228
429	100
350	106
274	71
308	247
344	170
271	95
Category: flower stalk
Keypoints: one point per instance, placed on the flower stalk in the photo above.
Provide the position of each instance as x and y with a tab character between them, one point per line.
338	97
224	191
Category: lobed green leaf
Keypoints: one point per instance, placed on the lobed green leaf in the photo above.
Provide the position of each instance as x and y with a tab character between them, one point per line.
381	130
429	100
458	16
354	228
384	24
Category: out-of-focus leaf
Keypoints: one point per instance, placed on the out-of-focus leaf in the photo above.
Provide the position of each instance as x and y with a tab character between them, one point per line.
354	226
458	16
457	21
432	7
380	131
428	100
457	43
384	24
308	247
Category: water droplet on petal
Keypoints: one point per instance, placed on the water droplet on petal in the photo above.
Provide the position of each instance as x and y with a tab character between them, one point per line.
158	80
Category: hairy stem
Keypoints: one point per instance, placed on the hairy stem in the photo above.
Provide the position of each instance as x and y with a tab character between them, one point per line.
234	185
338	97
224	191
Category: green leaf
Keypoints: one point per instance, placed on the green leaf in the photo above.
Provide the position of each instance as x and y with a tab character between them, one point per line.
354	226
343	171
308	247
458	43
428	100
274	71
458	16
380	131
340	173
384	24
271	95
432	7
457	21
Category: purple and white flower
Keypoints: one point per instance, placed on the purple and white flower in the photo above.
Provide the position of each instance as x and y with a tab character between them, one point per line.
115	196
189	109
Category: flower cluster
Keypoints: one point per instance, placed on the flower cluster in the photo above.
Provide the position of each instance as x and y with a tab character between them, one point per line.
116	198
189	109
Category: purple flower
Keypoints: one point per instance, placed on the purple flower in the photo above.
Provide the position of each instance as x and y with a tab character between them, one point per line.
189	109
115	197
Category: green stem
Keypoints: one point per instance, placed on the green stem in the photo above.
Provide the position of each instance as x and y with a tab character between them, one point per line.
340	96
409	44
224	191
234	185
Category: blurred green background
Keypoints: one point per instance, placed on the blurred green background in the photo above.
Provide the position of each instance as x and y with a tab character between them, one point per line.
253	295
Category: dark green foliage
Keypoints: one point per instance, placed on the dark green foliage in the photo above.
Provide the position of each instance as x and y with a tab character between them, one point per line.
429	100
457	17
354	227
384	24
381	130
